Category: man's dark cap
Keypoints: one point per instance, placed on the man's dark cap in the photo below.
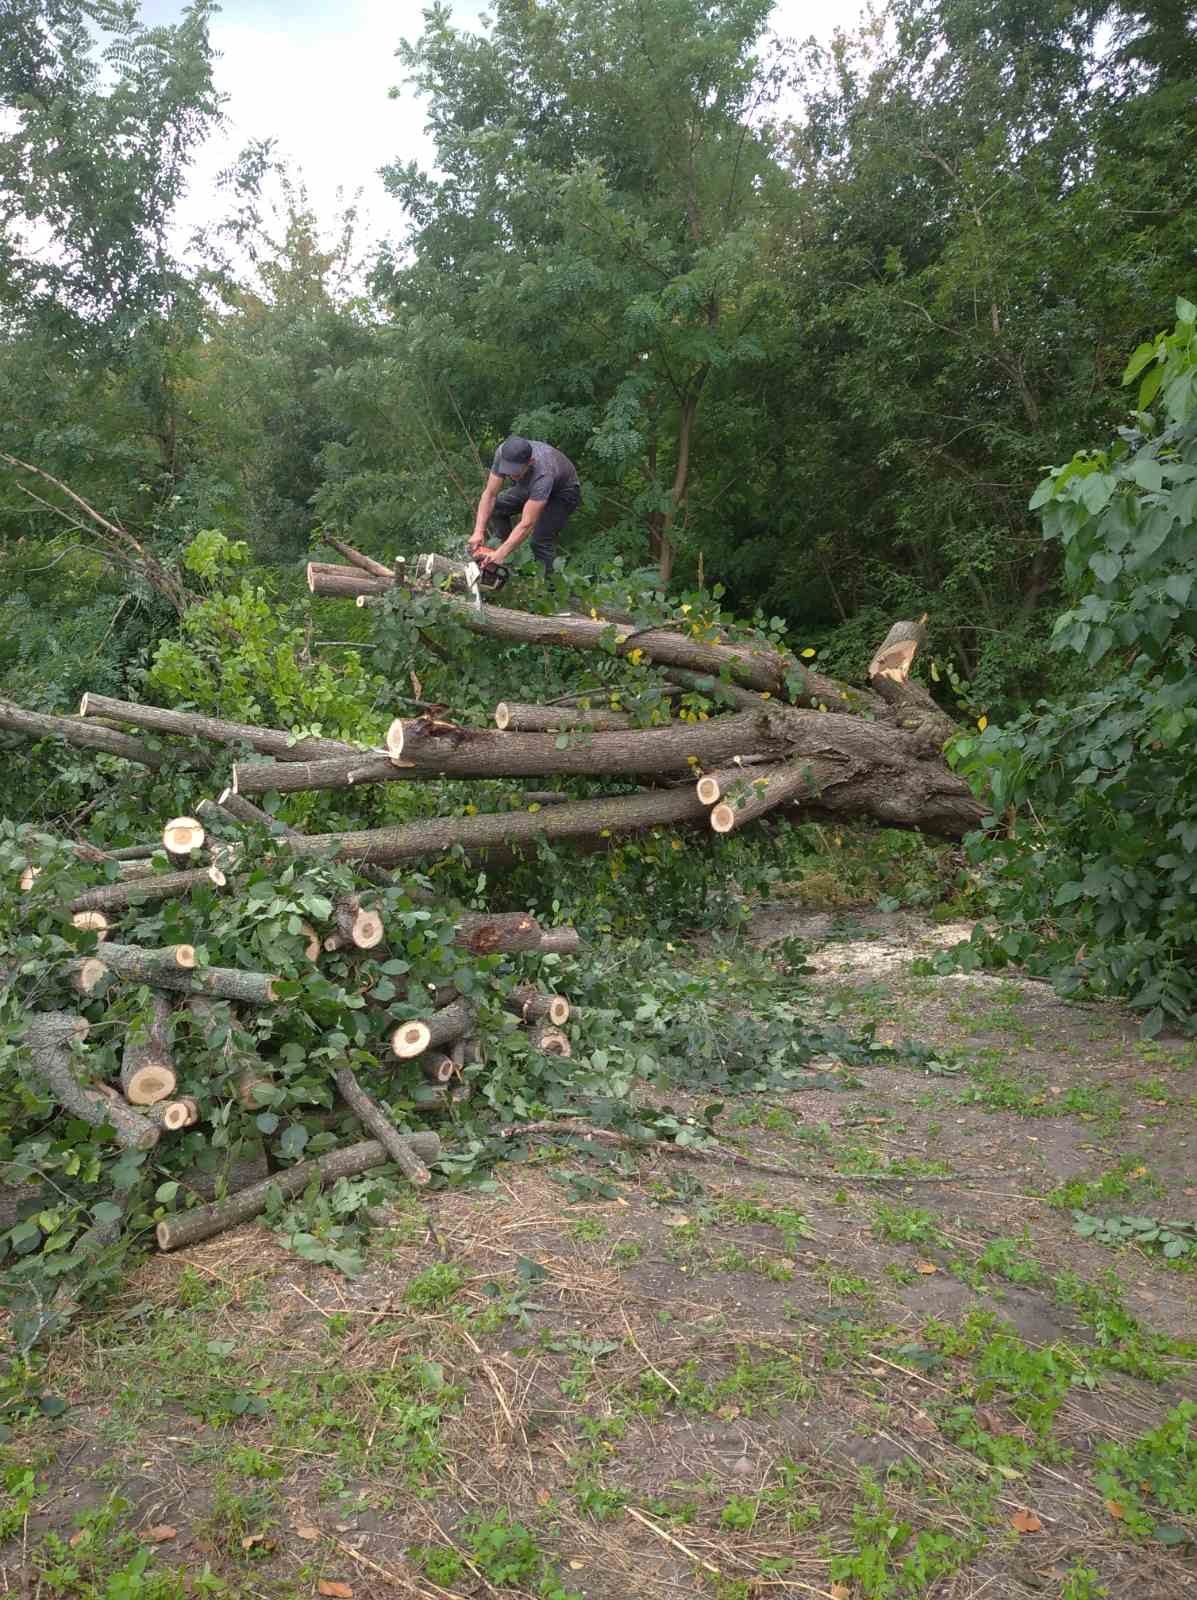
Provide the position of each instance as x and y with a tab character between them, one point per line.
514	455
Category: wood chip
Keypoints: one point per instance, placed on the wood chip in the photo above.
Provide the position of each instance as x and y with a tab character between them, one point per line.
160	1534
925	1267
305	1530
1024	1521
1116	1509
338	1591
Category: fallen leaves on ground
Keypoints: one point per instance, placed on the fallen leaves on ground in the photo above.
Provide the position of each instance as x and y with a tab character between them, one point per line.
305	1530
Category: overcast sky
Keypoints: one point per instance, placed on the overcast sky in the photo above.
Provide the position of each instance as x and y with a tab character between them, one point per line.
315	75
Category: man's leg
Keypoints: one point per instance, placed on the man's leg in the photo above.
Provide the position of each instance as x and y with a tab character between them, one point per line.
509	507
547	533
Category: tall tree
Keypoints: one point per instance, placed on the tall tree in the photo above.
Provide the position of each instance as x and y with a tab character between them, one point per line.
592	234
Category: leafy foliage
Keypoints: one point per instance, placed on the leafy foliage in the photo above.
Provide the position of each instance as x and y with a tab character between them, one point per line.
1094	874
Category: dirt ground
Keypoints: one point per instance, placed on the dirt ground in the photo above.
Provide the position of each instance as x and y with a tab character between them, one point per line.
895	1369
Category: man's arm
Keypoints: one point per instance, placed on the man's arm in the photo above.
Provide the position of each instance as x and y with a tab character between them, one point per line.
527	522
486	505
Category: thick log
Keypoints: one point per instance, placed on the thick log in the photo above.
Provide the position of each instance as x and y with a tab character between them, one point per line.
423	747
763	790
140	891
580	819
147	1068
511	717
49	1035
548	1040
163	969
560	942
344	583
88	736
358	558
484	933
895	654
911	705
181	838
532	1005
375	1120
191	1227
275	742
410	1039
91	922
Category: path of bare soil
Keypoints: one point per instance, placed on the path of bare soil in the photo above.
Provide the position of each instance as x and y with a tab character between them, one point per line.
903	1373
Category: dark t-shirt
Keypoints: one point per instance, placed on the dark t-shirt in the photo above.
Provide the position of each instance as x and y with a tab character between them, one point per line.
550	471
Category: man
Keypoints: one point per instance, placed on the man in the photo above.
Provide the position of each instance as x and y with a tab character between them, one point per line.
544	494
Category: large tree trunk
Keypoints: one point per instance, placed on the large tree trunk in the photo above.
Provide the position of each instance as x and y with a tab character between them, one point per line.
276	742
89	736
49	1035
191	1227
674	749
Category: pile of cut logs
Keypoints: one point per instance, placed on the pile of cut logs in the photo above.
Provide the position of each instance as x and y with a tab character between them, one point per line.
782	736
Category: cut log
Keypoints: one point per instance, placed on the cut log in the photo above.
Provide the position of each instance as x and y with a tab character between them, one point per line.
357	925
548	1040
560	942
191	1227
231	804
49	1035
410	1039
531	1005
515	718
147	1067
275	742
88	975
140	891
895	655
169	969
172	1115
712	786
181	837
487	932
357	558
88	736
375	1120
344	583
765	789
29	876
91	922
438	1068
444	750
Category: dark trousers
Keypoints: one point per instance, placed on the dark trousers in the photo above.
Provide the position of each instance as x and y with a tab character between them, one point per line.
558	509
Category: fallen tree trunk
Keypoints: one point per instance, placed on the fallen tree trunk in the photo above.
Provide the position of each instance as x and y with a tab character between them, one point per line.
513	718
560	942
411	1039
375	1120
548	1040
275	742
420	747
163	969
356	925
88	736
755	668
49	1035
172	1115
140	891
579	819
147	1069
192	1227
243	810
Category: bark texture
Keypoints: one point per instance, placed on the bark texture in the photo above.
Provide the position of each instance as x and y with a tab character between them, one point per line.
485	933
511	717
531	1005
160	969
88	736
191	1227
140	891
762	790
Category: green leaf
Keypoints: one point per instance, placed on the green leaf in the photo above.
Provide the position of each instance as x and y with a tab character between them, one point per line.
294	1140
1105	567
1144	354
1186	311
166	1192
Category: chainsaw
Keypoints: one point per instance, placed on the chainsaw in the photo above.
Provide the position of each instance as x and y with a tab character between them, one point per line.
491	577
